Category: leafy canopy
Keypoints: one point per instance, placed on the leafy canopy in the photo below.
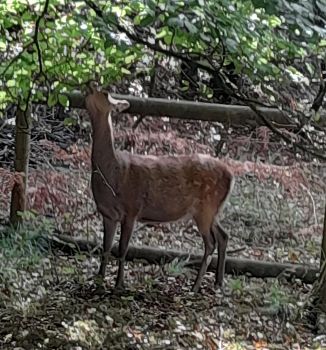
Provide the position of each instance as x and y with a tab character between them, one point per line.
49	47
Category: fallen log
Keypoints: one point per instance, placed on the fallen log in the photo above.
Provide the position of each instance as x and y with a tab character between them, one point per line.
235	115
254	268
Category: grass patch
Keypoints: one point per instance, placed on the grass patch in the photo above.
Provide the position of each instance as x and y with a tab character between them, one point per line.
24	247
23	252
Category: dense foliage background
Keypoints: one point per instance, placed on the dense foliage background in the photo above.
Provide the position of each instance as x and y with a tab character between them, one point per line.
59	45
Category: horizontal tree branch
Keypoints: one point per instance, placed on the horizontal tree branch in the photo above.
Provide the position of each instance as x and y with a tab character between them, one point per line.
261	269
225	114
234	115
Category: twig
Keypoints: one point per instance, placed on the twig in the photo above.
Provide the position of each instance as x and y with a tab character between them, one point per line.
282	135
98	170
36	33
313	203
237	250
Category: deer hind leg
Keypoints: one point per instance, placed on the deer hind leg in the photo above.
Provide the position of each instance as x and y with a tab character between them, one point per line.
127	227
109	232
221	237
210	244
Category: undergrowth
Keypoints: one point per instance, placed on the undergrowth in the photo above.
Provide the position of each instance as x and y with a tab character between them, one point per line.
50	301
24	247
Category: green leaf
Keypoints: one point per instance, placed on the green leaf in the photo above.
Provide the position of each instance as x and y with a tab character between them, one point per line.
151	4
11	83
146	21
175	22
322	43
52	100
167	39
125	71
3	46
274	21
39	96
191	28
258	3
137	20
2	95
63	100
69	121
27	58
231	44
112	18
162	33
129	59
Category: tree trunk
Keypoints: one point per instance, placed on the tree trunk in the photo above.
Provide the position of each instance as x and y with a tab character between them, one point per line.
22	149
322	278
316	310
323	243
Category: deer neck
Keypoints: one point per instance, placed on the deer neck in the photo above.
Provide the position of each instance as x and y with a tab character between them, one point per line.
103	152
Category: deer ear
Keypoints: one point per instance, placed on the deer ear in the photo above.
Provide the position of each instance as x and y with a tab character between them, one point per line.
118	105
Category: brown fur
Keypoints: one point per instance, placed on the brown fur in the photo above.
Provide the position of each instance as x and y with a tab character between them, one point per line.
129	188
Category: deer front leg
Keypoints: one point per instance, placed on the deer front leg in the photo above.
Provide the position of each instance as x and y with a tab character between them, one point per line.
127	227
209	242
109	232
221	238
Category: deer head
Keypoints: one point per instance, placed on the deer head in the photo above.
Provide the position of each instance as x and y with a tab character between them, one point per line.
98	105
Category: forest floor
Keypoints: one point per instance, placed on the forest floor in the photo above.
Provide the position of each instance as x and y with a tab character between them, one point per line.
49	300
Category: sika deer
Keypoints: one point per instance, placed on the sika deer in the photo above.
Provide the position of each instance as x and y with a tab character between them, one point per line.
129	188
